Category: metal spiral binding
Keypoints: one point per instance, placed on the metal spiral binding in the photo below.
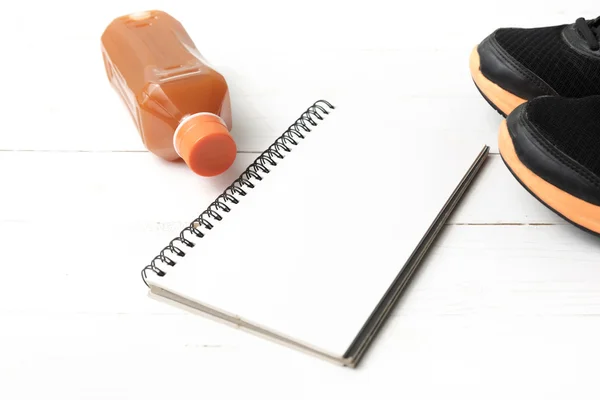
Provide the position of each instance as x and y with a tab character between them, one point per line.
255	170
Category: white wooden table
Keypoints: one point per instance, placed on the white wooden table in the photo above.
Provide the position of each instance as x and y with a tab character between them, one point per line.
506	306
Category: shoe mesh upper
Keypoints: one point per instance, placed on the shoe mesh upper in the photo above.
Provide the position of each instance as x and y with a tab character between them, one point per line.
570	125
544	52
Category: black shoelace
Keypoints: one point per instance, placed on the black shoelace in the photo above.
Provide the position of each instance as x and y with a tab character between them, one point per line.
589	31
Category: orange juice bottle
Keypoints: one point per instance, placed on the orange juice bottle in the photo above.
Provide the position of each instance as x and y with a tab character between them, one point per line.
179	103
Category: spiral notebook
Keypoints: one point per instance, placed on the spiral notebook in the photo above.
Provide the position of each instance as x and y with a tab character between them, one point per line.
316	240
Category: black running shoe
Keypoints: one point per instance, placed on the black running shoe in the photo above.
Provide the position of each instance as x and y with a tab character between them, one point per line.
552	146
513	65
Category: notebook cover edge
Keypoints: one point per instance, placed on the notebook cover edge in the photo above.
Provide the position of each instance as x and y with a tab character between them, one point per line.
239	323
363	339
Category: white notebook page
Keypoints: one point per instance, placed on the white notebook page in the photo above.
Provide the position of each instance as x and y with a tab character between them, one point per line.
312	249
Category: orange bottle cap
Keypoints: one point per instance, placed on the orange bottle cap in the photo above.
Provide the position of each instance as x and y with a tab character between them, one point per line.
204	143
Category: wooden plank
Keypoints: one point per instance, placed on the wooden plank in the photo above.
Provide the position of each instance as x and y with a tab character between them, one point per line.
472	271
82	357
259	120
508	271
280	27
140	187
105	187
267	96
486	296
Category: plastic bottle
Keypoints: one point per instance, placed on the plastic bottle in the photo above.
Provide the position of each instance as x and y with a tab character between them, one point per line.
179	103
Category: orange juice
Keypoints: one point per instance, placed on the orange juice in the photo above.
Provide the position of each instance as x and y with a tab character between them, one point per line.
179	103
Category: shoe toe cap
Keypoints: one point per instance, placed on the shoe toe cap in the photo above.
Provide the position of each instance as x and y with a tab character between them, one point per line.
545	160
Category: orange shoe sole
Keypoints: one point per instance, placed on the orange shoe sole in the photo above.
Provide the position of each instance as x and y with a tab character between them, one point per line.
569	207
502	100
